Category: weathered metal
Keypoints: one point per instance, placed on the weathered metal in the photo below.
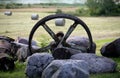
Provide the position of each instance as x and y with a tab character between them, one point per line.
60	44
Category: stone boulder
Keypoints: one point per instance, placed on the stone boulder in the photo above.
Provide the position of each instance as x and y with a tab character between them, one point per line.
20	51
36	63
81	43
66	69
22	54
111	49
97	64
25	41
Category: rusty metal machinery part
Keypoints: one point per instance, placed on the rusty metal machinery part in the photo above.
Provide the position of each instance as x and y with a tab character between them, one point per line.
61	43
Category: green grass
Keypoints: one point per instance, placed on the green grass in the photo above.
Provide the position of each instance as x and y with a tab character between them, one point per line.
19	72
103	29
101	42
106	75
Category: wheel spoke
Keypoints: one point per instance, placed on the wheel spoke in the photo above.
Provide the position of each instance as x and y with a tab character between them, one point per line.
60	43
51	33
70	30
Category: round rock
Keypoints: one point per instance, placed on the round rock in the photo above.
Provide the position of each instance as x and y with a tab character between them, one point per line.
66	69
81	43
111	49
22	54
25	41
37	63
97	64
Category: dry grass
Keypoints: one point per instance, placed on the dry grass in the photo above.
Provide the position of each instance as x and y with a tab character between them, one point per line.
20	24
47	9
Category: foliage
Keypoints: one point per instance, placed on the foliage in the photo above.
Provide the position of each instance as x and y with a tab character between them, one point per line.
80	12
29	5
13	5
103	7
58	11
2	6
9	6
44	41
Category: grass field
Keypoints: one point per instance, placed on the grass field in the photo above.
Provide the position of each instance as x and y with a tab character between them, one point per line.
103	29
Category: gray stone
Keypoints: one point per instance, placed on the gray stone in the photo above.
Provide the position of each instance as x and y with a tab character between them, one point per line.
25	41
20	51
81	43
22	54
74	51
111	49
66	69
4	46
36	63
97	64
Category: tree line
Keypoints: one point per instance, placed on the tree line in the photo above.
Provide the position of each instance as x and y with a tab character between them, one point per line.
103	7
90	8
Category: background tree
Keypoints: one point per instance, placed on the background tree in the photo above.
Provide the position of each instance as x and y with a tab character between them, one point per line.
102	7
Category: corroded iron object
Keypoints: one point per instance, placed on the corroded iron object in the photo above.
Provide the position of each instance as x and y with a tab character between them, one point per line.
62	53
60	43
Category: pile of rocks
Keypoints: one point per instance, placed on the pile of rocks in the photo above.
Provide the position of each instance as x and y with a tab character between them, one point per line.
80	65
43	65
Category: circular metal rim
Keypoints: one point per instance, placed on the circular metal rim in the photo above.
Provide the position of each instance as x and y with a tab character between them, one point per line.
54	16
